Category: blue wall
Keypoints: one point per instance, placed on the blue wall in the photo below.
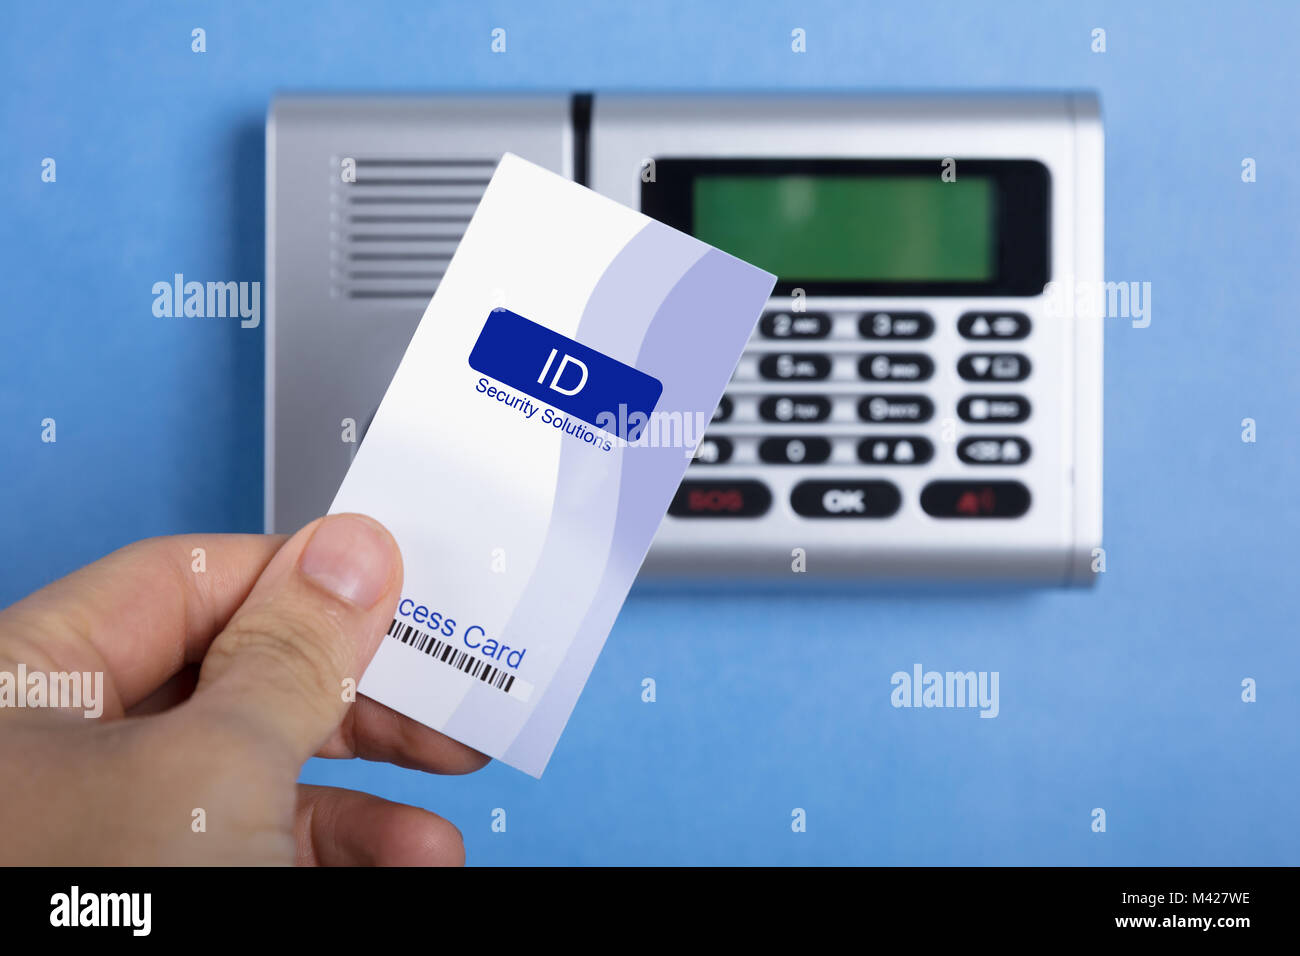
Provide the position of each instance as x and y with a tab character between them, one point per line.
1126	698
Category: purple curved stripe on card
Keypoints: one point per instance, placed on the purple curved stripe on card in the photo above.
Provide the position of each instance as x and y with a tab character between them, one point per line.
614	321
713	308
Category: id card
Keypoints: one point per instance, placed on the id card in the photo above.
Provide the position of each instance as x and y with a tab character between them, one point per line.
529	445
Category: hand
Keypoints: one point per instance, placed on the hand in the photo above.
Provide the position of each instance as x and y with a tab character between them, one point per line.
217	685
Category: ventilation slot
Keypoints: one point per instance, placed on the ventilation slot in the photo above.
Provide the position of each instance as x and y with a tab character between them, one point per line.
393	231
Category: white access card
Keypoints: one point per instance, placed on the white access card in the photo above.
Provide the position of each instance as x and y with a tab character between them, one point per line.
529	445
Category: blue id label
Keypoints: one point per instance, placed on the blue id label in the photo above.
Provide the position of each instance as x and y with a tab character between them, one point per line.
568	375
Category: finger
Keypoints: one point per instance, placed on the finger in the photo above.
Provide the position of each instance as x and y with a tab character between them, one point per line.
372	731
345	828
313	619
139	614
176	690
369	730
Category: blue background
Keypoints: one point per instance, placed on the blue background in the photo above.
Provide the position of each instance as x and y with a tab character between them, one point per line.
1126	697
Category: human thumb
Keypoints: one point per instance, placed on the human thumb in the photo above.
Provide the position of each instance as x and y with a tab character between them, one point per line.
313	619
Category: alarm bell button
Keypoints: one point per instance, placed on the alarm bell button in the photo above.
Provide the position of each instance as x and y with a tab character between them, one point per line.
975	499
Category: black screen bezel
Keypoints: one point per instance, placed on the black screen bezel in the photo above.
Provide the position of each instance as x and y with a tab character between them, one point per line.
1022	214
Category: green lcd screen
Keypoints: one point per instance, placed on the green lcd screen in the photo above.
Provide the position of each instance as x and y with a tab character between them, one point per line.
880	228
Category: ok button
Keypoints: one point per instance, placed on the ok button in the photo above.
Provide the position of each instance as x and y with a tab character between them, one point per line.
845	499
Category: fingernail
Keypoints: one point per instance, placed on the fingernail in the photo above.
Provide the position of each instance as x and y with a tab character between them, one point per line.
351	557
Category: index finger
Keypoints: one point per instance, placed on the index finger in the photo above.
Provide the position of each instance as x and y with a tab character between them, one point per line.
138	615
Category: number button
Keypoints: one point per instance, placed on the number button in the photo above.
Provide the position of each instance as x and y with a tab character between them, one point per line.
993	367
713	451
794	451
795	325
794	408
895	367
724	409
896	325
794	367
902	409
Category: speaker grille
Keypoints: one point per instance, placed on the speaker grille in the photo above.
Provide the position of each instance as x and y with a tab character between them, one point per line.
393	229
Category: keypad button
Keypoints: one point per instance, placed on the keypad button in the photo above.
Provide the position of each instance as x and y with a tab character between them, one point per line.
993	409
794	408
975	499
713	451
993	367
794	451
845	499
895	367
795	325
993	450
903	409
896	325
724	409
908	450
1004	326
795	366
720	499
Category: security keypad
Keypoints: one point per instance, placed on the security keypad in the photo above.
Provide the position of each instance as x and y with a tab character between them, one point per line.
866	394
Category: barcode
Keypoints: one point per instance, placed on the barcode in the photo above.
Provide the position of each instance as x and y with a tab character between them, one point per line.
463	661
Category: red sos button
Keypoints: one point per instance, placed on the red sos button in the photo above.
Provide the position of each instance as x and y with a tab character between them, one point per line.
720	499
